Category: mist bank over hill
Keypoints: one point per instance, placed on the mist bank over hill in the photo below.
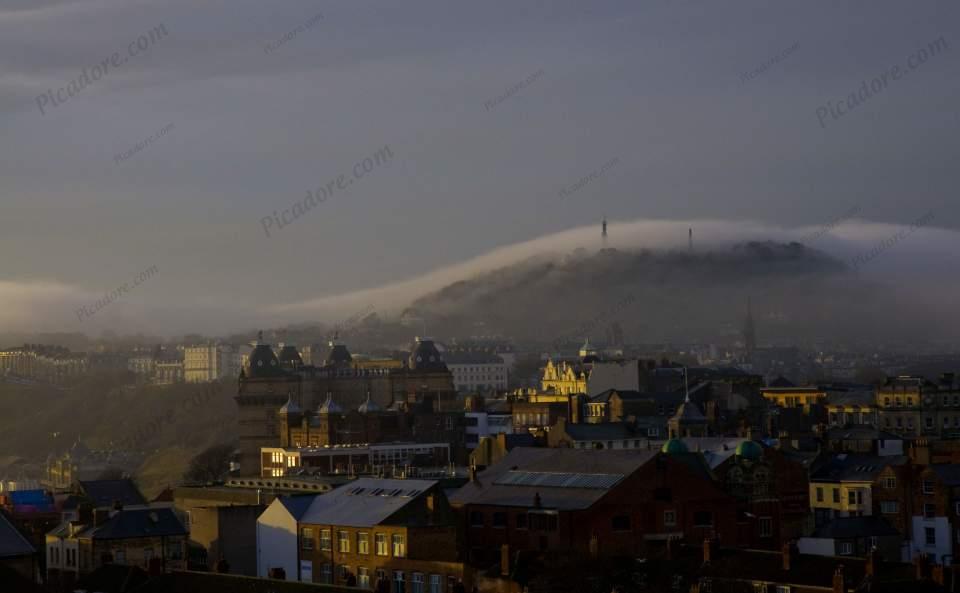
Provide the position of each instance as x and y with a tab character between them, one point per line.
911	265
797	294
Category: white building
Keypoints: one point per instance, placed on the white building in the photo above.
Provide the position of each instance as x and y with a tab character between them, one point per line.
484	424
474	370
210	362
277	538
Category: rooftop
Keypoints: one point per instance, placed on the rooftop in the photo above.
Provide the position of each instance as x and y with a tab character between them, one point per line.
563	479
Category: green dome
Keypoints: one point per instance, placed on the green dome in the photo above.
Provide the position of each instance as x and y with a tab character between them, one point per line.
749	450
673	446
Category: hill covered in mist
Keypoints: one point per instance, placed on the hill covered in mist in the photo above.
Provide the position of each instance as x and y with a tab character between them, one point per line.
673	295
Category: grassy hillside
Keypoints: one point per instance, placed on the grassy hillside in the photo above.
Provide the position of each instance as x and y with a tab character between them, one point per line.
166	425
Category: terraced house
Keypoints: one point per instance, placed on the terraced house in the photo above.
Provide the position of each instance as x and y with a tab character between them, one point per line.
370	533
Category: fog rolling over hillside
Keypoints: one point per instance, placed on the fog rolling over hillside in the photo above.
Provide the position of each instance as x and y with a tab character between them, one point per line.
679	295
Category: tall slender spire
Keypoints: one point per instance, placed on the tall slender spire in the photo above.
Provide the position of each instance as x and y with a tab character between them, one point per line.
749	331
603	232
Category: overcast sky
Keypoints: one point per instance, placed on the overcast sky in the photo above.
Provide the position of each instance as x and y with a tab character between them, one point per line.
655	87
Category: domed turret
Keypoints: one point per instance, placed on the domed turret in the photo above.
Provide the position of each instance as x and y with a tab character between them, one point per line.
369	406
674	447
290	407
338	355
289	356
749	450
426	357
263	362
329	406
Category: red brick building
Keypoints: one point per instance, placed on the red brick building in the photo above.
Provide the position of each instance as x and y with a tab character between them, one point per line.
595	502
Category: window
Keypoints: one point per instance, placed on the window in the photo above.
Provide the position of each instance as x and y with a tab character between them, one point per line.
928	486
929	422
836	495
326	573
783	589
929	510
416	585
343	542
620	523
702	519
500	520
381	542
889	482
669	518
363	543
889	507
846	549
521	520
325	540
543	521
306	538
851	497
399	548
476	519
956	508
930	536
819	494
766	526
435	583
363	577
399	583
342	572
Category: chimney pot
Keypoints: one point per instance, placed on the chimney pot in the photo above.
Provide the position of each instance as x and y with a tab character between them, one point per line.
788	552
839	581
708	550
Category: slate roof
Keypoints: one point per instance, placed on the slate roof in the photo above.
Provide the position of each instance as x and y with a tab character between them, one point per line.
486	491
853	468
625	394
949	473
854	527
861	433
12	543
364	502
138	523
296	505
601	431
850	398
104	493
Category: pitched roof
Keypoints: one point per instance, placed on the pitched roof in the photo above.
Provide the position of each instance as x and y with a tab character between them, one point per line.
564	479
949	473
853	468
138	523
851	527
364	502
104	493
296	505
12	542
601	431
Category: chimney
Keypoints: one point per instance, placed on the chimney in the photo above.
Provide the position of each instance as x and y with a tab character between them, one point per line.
505	560
156	568
872	567
920	567
839	582
789	553
537	501
938	575
100	517
709	550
